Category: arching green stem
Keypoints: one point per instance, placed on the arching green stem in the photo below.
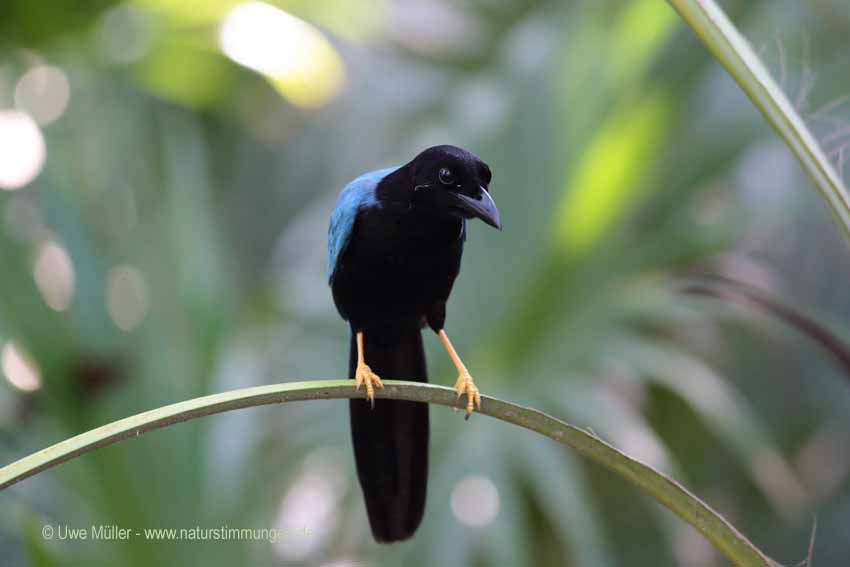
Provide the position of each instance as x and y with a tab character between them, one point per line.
667	491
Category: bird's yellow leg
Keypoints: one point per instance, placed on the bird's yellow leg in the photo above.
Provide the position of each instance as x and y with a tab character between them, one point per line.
464	384
364	374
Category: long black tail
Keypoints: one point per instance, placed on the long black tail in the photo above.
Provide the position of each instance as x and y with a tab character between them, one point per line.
391	440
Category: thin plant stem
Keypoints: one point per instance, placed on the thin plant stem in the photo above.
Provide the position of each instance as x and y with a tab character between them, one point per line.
732	50
737	548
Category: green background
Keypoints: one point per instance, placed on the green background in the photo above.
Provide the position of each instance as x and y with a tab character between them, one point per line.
625	161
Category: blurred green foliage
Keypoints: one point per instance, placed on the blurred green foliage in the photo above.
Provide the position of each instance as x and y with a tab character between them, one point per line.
193	193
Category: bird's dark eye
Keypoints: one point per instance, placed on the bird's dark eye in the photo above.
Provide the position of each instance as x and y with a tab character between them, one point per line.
446	176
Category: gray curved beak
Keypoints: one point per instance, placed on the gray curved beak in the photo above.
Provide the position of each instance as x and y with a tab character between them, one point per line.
480	206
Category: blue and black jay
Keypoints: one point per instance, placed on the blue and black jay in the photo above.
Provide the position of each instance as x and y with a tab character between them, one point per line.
395	242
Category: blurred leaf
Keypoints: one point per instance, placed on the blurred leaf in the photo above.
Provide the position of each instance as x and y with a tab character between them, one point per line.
612	169
577	519
184	73
643	28
727	413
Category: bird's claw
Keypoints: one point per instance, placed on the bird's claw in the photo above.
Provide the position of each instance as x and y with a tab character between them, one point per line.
364	375
465	385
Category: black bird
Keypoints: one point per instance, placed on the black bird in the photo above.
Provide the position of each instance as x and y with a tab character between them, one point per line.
395	242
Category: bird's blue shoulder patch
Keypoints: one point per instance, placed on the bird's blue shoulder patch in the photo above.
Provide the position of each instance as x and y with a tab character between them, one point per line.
356	195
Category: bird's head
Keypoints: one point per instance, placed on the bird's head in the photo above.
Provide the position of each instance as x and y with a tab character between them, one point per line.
450	180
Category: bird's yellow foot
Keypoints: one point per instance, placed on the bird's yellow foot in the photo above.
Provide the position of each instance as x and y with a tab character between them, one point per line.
465	385
364	375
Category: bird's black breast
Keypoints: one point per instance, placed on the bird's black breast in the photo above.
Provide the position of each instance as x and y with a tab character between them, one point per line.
398	268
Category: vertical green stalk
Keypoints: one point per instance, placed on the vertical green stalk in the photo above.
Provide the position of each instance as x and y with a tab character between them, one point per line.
726	43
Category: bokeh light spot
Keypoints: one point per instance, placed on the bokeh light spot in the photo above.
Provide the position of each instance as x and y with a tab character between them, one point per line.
43	93
310	510
20	371
124	34
22	149
126	297
475	501
296	58
54	275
